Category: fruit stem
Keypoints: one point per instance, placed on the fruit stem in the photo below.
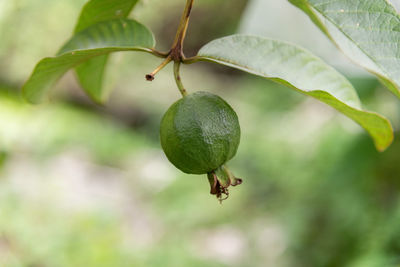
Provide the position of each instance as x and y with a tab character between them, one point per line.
177	66
150	77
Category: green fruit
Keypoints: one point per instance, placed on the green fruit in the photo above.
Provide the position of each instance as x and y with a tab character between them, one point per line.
199	134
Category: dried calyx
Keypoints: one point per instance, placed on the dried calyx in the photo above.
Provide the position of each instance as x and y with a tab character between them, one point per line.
220	179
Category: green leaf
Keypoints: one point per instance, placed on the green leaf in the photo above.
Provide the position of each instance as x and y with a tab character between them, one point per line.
90	74
368	32
96	11
100	39
300	70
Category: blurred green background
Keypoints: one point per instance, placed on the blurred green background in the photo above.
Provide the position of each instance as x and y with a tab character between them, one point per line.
88	185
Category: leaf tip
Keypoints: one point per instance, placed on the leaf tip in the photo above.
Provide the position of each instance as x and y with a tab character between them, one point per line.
386	137
383	147
26	97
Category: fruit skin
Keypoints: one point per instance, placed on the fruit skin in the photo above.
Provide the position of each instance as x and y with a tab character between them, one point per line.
199	133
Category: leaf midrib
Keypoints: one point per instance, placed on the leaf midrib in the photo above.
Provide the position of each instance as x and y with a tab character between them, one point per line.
122	48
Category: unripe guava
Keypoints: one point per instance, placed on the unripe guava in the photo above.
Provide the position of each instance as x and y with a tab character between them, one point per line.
199	133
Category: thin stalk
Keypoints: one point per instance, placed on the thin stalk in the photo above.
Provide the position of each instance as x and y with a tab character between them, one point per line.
178	80
191	60
154	52
176	52
150	77
183	25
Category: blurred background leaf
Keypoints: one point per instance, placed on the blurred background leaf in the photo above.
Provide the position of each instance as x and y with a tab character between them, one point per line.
95	41
90	74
